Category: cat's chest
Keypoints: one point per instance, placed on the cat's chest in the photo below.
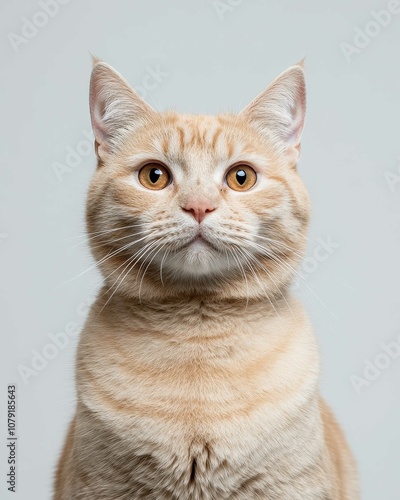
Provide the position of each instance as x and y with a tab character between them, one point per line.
198	420
238	458
200	432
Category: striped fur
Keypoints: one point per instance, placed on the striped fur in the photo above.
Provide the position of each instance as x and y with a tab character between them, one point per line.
197	371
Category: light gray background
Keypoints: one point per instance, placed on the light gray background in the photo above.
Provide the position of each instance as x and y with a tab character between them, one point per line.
351	142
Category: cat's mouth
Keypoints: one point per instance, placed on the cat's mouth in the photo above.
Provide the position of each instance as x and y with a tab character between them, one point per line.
199	242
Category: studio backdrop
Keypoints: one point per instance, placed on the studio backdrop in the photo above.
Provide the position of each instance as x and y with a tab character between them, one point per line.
200	57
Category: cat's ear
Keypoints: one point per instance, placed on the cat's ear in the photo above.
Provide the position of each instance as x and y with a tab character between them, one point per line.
279	110
115	108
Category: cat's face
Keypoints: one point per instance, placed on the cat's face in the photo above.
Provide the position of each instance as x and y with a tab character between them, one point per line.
197	202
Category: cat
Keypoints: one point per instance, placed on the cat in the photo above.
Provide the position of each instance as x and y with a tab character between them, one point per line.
197	370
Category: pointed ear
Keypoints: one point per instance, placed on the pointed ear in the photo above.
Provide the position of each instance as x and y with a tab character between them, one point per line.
115	108
279	111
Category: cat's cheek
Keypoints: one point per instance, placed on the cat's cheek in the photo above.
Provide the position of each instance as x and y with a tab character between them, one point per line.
128	192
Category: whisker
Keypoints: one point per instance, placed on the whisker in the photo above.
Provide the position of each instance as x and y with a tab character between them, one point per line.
279	289
256	276
152	245
280	243
104	231
275	257
104	259
132	256
227	258
157	249
130	266
147	231
111	296
161	265
244	276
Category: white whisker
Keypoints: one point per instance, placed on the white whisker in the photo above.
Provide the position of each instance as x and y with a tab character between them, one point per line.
162	262
157	249
272	255
105	258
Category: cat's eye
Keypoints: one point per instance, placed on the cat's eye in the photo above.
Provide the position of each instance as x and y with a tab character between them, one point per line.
154	176
241	178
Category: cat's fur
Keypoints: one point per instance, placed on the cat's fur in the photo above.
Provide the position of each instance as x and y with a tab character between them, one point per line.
197	371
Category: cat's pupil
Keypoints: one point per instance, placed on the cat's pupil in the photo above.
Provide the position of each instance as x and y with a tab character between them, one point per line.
241	177
155	174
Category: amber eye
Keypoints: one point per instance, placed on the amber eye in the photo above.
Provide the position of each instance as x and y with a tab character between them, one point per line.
241	178
154	176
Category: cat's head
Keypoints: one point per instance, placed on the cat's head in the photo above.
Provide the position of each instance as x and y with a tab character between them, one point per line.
197	204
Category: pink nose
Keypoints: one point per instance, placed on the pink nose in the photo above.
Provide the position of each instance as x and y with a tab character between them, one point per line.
198	209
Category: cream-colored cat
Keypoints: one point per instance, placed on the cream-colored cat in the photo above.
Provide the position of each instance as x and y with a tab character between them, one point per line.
197	371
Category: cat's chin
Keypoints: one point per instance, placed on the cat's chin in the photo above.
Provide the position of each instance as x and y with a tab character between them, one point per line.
198	258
